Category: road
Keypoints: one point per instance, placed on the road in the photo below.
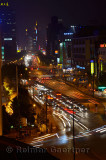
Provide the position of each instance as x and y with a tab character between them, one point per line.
60	144
70	91
89	145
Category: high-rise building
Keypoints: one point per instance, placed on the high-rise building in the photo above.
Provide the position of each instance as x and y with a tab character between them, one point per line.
8	27
32	39
35	37
29	41
54	34
88	49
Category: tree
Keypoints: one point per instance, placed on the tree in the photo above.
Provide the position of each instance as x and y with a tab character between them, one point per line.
16	113
22	108
9	71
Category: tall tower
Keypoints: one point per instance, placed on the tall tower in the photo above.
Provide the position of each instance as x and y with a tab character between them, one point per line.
26	39
31	39
35	37
36	31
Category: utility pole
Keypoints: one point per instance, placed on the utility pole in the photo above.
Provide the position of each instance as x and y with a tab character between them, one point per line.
93	83
33	91
46	113
73	137
1	125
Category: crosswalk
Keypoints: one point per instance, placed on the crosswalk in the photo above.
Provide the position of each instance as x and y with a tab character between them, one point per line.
38	142
69	91
93	101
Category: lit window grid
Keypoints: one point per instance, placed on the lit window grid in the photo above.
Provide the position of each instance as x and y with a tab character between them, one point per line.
68	33
67	39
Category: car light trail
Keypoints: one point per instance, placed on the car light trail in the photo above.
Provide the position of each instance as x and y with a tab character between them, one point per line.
74	118
83	125
42	138
65	119
100	130
39	145
79	115
60	119
103	130
38	100
80	124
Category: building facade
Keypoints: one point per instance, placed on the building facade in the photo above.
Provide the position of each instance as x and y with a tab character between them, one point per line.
31	39
86	48
8	29
102	57
54	37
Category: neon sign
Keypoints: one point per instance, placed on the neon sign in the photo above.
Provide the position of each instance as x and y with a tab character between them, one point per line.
103	45
92	66
80	67
101	66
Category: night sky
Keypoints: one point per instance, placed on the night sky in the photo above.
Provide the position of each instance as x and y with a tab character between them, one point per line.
73	12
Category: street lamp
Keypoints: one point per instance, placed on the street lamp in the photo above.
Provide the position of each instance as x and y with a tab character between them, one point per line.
73	137
93	83
33	91
34	105
46	113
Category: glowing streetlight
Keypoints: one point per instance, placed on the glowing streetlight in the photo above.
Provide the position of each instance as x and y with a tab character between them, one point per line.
34	105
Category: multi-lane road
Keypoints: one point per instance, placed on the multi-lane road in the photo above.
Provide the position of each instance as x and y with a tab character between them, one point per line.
89	143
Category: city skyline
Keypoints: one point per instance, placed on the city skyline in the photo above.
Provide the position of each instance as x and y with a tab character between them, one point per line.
72	13
52	79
